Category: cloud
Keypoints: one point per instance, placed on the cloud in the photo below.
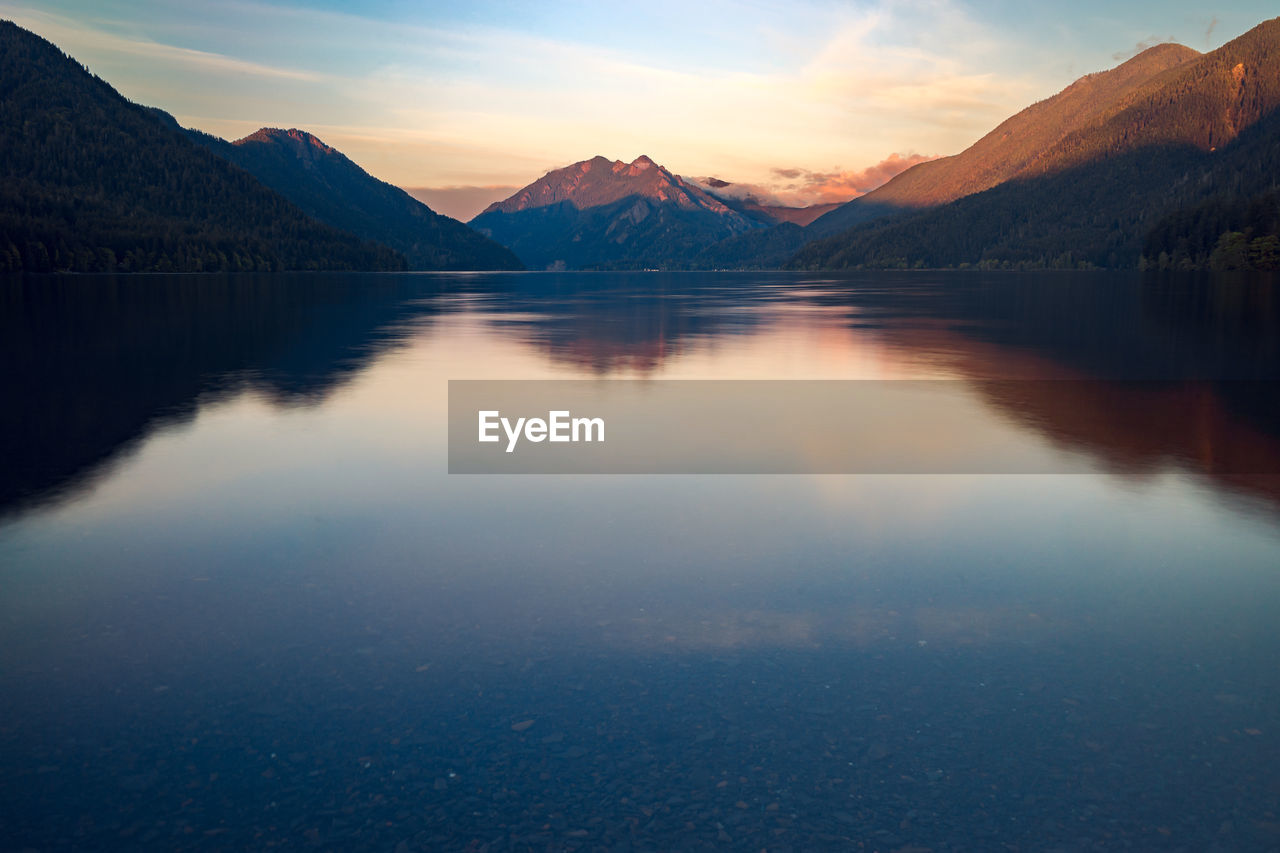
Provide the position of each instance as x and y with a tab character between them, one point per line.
447	102
842	185
204	59
1208	31
870	82
795	187
65	31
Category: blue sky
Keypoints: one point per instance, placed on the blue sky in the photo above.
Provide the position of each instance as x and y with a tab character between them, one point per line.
493	94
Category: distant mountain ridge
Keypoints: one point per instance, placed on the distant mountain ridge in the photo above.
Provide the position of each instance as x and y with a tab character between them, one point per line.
90	181
1171	160
607	214
327	185
599	181
798	215
750	205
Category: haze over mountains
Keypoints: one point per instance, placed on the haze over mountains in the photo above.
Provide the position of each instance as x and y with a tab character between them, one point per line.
1169	160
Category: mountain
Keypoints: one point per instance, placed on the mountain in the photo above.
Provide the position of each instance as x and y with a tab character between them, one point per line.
92	182
603	214
759	249
1224	233
1025	143
329	187
797	215
1200	130
1237	225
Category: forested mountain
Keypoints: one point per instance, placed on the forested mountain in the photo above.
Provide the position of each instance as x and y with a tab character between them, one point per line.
603	214
1171	160
1091	216
330	187
797	215
758	249
92	182
1203	132
1017	145
1223	233
1205	103
1236	223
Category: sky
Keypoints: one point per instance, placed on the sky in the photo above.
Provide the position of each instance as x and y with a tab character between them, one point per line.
461	103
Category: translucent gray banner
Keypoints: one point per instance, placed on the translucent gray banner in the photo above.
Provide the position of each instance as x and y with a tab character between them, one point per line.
859	427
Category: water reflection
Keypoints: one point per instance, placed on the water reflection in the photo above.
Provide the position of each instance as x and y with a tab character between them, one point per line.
100	363
94	364
245	607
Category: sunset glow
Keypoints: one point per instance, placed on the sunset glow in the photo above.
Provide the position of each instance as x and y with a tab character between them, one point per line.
810	103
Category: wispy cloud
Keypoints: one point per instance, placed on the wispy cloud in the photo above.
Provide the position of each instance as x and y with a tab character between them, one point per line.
1208	30
796	187
443	103
842	185
66	32
203	59
863	89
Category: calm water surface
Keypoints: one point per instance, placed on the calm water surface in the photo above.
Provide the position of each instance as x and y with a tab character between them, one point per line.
243	605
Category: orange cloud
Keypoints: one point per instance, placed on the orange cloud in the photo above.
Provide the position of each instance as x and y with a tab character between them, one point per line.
839	186
804	187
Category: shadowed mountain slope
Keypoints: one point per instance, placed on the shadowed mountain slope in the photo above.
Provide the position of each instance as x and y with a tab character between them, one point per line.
1025	141
330	187
1203	129
92	182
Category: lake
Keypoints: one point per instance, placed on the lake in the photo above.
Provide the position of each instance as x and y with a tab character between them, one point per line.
245	605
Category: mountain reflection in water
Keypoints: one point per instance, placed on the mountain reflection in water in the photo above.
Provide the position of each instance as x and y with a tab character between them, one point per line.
1167	371
245	606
